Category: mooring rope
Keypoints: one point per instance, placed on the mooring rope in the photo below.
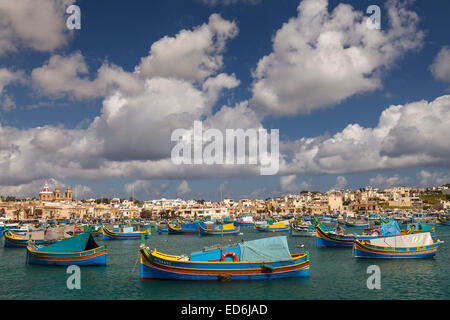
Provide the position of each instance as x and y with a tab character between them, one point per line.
134	266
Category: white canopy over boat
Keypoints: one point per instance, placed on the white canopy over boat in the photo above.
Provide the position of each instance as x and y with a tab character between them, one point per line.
406	241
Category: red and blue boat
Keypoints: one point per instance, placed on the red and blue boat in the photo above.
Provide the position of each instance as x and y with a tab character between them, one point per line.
419	245
222	230
81	250
126	233
261	259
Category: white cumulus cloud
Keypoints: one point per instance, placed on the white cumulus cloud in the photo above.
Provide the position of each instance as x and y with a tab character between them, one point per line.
320	58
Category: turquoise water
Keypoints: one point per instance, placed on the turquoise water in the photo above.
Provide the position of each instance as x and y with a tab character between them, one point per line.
335	274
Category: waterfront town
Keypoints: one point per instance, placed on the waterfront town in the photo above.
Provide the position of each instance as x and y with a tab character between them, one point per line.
49	204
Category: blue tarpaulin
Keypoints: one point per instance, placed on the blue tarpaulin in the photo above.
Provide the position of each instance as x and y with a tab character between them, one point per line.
267	249
74	244
214	254
390	228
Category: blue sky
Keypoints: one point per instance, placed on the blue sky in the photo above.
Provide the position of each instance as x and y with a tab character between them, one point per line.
57	124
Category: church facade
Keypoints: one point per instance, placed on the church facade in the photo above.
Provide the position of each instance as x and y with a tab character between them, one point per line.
48	195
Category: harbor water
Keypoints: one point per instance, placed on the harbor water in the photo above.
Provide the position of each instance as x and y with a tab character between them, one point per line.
334	274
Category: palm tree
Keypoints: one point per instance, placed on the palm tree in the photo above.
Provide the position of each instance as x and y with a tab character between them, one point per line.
17	213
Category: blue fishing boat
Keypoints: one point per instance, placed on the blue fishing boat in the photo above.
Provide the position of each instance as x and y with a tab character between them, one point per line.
442	220
81	250
420	245
328	220
418	227
222	230
186	228
13	240
356	223
333	239
126	233
261	259
160	227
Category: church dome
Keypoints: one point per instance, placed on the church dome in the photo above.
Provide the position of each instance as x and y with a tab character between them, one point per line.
45	189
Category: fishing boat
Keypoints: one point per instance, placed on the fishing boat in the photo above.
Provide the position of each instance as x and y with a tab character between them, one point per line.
42	237
420	245
354	223
261	259
88	229
162	227
14	227
126	233
244	221
442	220
274	227
303	231
419	227
186	228
261	223
13	240
328	220
81	250
222	230
333	239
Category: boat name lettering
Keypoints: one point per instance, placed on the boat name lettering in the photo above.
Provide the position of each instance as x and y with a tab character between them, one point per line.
163	262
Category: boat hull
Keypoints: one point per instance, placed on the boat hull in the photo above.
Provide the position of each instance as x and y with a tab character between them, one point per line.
175	230
442	222
92	257
356	225
161	229
211	232
19	241
244	223
156	266
268	229
328	240
112	235
361	250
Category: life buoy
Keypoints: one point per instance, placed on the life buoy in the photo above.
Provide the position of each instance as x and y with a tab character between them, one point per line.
376	232
229	253
413	227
